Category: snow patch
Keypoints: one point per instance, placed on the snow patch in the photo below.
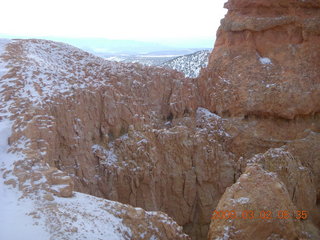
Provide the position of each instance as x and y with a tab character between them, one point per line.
3	44
271	85
265	60
243	200
14	221
205	112
80	217
89	217
226	234
109	156
190	64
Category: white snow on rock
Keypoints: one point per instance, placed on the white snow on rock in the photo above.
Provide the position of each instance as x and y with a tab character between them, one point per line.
211	122
243	200
3	44
15	224
107	156
190	64
265	60
84	217
29	215
226	233
45	69
205	112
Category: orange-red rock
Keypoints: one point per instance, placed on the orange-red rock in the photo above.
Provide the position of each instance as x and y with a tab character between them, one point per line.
266	60
150	138
264	77
262	209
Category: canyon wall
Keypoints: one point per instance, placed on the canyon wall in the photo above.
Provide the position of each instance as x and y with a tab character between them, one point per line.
264	77
265	60
118	131
242	136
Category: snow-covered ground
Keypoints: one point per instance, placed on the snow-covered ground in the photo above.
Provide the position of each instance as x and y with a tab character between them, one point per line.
32	74
147	60
29	216
190	64
79	217
15	224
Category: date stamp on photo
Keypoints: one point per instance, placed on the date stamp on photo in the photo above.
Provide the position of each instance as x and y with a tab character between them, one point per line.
263	215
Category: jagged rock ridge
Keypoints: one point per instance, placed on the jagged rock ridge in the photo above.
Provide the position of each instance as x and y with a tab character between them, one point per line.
151	138
37	79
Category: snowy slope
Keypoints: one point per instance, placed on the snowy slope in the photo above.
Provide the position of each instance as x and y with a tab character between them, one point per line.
190	64
28	216
32	75
47	71
14	221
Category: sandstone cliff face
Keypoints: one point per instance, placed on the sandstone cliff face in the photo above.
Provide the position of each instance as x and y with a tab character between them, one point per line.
269	197
263	77
247	128
265	60
48	89
122	132
256	198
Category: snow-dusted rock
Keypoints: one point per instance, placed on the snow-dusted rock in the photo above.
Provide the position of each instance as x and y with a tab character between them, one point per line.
37	198
190	64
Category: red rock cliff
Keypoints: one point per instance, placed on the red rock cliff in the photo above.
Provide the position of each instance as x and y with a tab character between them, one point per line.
264	77
266	60
144	136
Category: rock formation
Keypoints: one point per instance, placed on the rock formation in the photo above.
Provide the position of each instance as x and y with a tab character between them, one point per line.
61	106
263	209
263	76
119	131
265	60
243	136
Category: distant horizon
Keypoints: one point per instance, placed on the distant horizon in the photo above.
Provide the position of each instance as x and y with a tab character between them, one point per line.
168	22
109	47
203	43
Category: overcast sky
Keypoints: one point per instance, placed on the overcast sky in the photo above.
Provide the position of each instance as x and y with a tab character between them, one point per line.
114	19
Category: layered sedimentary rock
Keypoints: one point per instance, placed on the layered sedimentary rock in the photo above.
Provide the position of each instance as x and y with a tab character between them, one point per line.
119	131
260	202
265	60
61	105
263	76
247	128
274	198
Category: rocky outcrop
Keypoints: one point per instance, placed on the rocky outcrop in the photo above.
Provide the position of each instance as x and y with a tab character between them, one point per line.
275	197
119	131
261	209
64	105
266	60
242	136
84	216
299	180
263	77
